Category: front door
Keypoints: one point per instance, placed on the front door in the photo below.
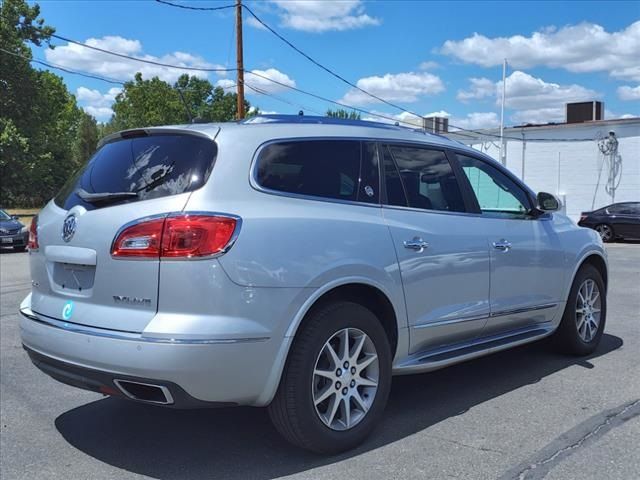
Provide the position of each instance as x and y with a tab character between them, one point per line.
442	252
527	259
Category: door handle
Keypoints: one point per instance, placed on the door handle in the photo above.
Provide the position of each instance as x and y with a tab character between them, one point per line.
416	244
502	245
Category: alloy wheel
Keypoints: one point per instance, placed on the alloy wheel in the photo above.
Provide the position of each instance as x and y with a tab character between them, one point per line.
588	310
345	379
605	232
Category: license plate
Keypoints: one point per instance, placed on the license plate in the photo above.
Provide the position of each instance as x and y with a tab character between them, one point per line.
7	240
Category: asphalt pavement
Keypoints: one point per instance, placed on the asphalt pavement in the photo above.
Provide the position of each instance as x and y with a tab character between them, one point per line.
526	413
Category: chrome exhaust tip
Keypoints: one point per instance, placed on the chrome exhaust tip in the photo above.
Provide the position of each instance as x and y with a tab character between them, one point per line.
145	392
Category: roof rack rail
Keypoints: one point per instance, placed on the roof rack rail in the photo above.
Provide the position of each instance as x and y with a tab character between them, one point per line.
310	119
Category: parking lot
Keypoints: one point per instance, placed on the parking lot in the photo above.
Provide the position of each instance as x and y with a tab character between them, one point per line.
524	413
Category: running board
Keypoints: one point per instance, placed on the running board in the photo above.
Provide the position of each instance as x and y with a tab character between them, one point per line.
435	359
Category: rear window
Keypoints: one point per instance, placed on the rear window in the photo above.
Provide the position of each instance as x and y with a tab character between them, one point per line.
151	166
340	169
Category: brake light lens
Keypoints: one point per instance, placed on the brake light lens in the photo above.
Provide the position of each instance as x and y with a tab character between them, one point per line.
139	240
181	236
33	234
196	235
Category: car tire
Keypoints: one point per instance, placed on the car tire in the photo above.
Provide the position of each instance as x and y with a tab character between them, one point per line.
580	333
607	234
295	412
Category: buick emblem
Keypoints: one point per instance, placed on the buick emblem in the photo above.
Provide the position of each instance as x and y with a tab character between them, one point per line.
69	227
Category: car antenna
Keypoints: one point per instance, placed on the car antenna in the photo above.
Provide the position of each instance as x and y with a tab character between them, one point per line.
186	107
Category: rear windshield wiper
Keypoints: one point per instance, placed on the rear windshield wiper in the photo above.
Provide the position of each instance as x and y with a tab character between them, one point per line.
104	197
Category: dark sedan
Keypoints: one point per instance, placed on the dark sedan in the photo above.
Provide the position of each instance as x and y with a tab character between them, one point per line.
13	233
619	220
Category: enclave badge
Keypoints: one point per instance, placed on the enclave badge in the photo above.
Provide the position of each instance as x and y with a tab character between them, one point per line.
145	302
69	227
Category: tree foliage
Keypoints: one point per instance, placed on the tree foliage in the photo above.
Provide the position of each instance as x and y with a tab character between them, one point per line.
146	103
341	113
39	118
44	136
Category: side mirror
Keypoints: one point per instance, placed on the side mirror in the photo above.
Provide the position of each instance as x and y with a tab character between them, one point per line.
15	217
547	202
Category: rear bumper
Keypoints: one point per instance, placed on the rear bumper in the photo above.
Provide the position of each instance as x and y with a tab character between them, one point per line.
110	383
196	375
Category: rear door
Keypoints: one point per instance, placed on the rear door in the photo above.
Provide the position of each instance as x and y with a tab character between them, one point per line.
442	252
75	278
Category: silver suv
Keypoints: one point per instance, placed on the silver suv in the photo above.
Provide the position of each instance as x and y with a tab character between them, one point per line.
298	263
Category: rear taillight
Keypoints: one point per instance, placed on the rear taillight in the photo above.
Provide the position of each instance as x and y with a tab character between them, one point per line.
139	240
196	235
33	234
180	236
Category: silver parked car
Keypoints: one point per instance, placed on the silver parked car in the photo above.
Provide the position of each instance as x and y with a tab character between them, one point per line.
298	263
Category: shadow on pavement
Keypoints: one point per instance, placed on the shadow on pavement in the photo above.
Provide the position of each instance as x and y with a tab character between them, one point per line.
240	443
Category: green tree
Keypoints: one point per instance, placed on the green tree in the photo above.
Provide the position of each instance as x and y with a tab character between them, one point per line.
144	103
38	116
87	137
341	113
147	103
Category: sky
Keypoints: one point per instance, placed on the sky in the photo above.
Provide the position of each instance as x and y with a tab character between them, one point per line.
442	58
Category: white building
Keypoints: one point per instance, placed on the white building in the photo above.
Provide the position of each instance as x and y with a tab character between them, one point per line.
573	160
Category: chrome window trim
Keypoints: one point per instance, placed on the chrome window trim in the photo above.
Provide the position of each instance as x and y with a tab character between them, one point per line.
131	336
232	241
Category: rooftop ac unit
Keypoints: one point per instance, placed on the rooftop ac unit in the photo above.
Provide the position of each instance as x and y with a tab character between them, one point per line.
584	112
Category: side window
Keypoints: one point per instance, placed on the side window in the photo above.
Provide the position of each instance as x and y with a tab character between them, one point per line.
321	168
393	184
426	178
369	190
497	194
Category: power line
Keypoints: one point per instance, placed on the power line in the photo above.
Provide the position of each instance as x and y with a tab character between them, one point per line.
187	7
324	99
142	60
203	69
280	99
338	76
478	135
64	69
318	64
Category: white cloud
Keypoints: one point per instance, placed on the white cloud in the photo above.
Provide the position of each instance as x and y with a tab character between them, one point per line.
475	121
428	65
81	58
527	92
585	47
261	83
480	88
629	93
96	103
536	100
405	119
398	87
471	121
252	22
320	16
609	115
539	115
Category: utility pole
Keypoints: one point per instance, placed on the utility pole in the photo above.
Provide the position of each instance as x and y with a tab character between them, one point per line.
240	62
504	83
